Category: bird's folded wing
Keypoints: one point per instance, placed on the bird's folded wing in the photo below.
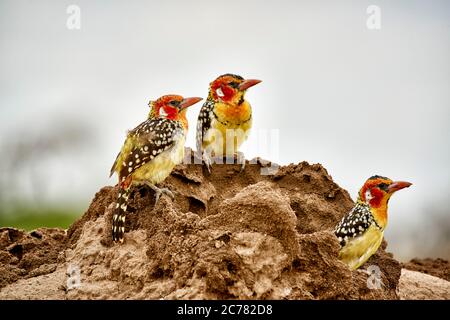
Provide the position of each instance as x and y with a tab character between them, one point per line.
354	224
204	122
152	138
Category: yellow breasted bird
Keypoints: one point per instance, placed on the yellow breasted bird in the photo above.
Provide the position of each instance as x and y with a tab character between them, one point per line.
360	232
150	152
225	109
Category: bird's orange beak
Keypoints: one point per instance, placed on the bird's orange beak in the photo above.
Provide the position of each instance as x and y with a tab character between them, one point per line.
398	185
187	102
248	83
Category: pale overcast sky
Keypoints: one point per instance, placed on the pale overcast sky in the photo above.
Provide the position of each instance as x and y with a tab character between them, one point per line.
358	101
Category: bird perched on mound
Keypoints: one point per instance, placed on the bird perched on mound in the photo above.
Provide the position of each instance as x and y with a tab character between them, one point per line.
150	152
360	232
224	110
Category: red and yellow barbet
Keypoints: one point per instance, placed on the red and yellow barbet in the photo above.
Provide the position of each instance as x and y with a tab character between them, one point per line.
150	152
225	109
360	232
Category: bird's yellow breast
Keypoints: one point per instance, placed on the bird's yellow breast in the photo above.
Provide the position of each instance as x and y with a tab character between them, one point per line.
234	114
359	249
161	166
230	129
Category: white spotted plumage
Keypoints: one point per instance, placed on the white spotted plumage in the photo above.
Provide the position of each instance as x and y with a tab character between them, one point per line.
358	220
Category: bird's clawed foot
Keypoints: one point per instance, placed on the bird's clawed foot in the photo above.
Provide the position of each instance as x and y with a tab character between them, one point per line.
238	158
160	191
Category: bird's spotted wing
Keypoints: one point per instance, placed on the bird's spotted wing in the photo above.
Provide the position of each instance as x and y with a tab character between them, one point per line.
152	138
204	122
354	224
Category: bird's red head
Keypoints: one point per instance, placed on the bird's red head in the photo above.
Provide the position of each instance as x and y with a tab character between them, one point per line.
230	88
172	106
377	190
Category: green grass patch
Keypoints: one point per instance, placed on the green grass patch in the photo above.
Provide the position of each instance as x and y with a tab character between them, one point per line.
33	218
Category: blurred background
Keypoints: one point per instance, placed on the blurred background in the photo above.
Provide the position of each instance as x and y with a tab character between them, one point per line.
360	101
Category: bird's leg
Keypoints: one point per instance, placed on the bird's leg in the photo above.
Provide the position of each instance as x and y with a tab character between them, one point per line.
160	191
237	158
241	160
207	160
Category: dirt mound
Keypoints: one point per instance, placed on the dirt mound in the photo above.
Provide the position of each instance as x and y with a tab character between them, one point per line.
28	254
435	267
226	235
415	285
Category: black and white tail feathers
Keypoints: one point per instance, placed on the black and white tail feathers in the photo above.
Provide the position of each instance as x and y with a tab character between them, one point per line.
120	212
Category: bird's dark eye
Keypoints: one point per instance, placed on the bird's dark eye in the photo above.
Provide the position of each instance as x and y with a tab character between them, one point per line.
174	103
234	84
383	186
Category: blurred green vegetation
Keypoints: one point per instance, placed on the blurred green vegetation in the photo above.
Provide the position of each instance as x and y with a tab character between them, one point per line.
30	218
